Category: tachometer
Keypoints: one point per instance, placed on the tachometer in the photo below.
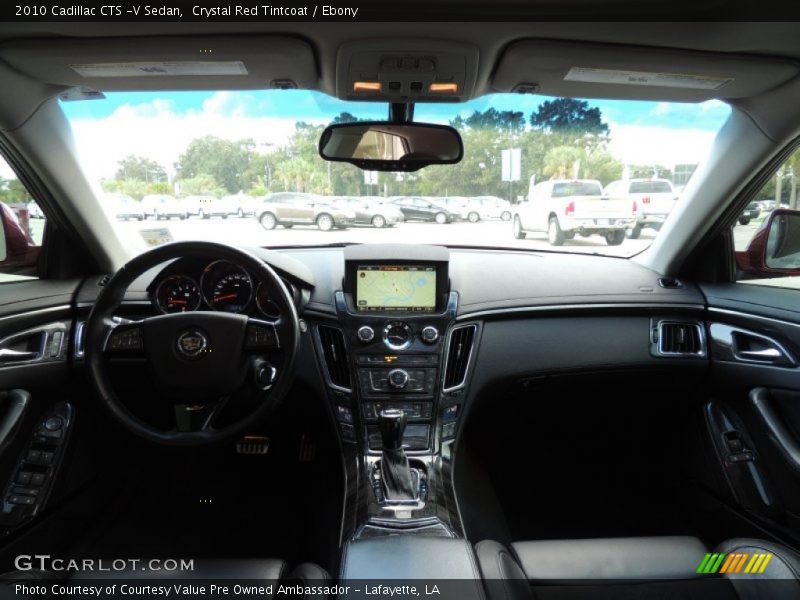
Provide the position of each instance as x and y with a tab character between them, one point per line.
227	287
177	293
265	303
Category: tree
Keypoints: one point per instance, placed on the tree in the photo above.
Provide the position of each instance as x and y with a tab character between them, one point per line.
136	188
562	162
12	191
506	120
140	168
650	171
227	162
344	117
203	184
567	115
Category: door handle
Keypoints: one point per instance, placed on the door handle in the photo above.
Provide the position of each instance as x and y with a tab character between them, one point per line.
8	355
765	354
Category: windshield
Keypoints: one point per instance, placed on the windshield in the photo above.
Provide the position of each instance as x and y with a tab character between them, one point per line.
243	168
650	187
576	188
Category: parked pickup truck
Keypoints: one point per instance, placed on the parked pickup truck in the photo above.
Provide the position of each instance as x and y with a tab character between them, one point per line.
654	199
564	208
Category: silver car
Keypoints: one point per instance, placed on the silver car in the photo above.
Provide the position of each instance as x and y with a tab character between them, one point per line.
372	210
298	208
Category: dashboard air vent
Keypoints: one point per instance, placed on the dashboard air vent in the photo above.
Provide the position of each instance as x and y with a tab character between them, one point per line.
670	283
459	352
335	352
683	339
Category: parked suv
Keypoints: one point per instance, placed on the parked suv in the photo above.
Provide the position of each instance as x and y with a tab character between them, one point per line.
297	208
564	208
654	200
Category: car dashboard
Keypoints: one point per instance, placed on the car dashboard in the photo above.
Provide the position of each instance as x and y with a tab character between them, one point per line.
497	315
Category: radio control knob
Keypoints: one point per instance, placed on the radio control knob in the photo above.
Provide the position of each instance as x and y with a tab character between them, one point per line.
365	334
429	334
398	378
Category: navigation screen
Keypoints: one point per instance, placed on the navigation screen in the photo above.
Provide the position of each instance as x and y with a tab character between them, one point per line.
396	288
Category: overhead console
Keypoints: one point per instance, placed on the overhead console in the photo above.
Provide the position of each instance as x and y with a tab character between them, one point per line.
406	70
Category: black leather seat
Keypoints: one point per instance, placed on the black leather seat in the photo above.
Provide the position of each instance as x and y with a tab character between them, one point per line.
249	570
640	568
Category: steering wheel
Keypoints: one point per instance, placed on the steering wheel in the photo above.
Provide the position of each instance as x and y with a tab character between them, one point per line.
197	360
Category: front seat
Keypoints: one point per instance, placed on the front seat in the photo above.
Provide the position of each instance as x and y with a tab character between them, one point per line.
248	571
642	568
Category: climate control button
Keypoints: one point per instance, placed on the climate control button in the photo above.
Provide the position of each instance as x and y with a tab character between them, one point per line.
365	334
429	334
397	335
398	378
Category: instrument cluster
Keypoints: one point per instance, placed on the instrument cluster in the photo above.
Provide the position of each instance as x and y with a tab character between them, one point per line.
222	286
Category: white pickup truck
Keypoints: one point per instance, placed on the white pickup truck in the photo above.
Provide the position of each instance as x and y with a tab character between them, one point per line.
654	198
564	208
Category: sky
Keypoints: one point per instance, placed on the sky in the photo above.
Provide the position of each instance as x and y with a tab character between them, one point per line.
161	125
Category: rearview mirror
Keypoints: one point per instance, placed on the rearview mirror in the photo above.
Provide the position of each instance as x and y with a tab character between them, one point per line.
387	146
774	250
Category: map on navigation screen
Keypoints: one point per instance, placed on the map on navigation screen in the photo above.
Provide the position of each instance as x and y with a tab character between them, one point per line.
396	287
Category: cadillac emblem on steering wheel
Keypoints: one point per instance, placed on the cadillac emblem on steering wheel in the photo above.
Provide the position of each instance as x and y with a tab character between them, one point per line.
192	343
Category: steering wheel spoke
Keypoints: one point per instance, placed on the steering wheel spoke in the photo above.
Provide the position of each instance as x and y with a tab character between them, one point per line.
125	341
198	417
261	337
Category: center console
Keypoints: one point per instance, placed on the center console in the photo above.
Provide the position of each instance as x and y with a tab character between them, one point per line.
385	360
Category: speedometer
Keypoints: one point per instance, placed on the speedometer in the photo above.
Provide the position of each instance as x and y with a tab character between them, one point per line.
227	287
177	293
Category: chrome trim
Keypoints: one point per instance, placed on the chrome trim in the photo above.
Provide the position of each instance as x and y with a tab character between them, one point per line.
571	307
722	335
659	345
39	311
397	347
78	349
44	353
736	313
469	358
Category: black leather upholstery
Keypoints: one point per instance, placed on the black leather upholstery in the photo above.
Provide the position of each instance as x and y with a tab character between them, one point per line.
503	578
415	557
409	557
630	568
784	565
640	558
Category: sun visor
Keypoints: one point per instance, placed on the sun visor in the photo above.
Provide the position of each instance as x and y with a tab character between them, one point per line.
580	70
167	63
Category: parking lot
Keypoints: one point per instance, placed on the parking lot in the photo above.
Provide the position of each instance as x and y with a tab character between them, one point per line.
248	232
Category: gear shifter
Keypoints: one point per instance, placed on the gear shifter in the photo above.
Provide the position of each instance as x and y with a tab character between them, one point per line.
399	482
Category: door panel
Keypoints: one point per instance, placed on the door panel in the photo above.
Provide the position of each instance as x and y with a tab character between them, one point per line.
753	416
36	407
